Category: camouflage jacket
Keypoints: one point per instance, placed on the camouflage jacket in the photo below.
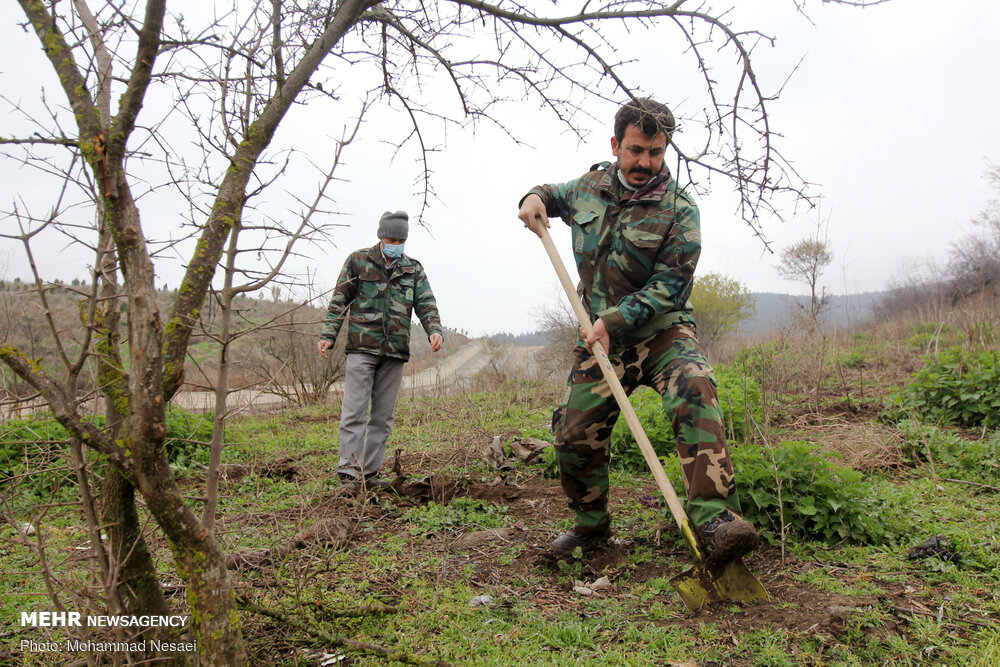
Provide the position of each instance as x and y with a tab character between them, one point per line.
635	254
378	304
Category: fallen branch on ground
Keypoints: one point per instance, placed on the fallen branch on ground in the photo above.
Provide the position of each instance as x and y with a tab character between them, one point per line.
334	640
330	532
962	481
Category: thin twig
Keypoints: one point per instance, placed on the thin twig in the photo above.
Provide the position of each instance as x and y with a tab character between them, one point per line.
962	481
334	640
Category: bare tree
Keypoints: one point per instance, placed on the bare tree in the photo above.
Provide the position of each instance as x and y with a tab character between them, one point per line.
285	363
106	161
974	260
562	329
917	287
805	262
234	268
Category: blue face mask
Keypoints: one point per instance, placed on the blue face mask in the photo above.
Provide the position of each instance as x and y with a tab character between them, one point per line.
393	251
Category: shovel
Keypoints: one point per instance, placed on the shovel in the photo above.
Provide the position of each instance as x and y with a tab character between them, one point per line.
698	584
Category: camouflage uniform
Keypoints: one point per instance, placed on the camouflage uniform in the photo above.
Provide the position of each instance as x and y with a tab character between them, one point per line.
636	254
379	304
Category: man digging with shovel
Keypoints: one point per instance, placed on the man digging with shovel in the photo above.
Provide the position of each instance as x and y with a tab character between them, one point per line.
636	240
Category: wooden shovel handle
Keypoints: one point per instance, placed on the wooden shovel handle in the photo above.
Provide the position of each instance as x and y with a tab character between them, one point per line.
619	392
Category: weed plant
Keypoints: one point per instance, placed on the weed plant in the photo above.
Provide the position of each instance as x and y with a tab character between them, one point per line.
797	490
954	387
34	451
461	514
975	460
739	398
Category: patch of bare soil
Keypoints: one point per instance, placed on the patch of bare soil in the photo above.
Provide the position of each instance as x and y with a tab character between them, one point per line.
535	505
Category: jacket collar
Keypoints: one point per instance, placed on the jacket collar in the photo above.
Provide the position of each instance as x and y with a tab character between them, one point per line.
377	258
654	190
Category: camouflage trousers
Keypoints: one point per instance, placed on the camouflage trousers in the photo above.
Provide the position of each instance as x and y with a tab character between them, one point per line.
672	363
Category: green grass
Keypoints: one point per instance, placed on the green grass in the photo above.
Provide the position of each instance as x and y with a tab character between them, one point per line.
399	555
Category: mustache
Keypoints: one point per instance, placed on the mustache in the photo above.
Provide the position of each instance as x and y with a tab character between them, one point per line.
641	170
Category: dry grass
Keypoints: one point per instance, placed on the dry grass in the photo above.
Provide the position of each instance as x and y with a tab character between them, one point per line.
860	445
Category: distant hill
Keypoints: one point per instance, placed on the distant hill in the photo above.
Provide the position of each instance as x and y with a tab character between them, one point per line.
529	338
774	310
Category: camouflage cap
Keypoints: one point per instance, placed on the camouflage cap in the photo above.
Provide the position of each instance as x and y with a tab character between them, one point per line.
393	225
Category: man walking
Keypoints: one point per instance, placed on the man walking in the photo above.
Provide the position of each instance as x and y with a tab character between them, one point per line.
636	240
377	292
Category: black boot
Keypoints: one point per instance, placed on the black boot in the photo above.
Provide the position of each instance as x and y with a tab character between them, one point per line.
350	486
572	539
375	483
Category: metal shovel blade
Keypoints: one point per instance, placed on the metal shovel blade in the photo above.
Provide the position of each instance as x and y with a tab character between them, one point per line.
732	581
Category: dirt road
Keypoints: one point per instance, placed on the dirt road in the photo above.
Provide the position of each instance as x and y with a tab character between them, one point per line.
452	374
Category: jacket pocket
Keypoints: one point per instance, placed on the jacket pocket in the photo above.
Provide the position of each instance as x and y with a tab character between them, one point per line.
634	253
646	236
585	232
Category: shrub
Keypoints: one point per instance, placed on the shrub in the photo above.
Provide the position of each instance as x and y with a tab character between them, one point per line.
34	449
186	436
739	397
625	452
854	359
765	360
820	500
39	446
955	387
982	333
953	455
928	334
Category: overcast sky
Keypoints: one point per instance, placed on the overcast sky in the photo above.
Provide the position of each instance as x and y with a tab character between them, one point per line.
892	114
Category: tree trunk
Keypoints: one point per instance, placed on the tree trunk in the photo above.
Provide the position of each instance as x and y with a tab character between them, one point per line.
131	563
197	555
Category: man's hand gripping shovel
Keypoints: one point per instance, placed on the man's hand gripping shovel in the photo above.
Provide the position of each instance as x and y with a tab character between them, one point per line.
696	585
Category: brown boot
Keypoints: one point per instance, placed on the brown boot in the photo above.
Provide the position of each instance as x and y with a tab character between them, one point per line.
727	537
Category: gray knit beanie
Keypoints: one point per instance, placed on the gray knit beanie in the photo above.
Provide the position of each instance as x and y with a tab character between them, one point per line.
393	225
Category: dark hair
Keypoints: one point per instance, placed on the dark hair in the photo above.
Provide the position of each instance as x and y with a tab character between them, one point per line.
648	115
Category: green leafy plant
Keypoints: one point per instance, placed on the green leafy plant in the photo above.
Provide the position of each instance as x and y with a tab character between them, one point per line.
35	449
739	398
817	500
32	451
462	513
854	359
763	360
625	452
186	436
954	387
927	334
571	569
550	463
954	456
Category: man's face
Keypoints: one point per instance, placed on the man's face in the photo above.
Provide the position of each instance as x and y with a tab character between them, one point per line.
640	156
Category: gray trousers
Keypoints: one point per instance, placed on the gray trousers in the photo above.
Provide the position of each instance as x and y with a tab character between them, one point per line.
374	381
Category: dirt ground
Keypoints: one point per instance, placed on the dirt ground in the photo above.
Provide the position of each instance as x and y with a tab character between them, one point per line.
535	504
